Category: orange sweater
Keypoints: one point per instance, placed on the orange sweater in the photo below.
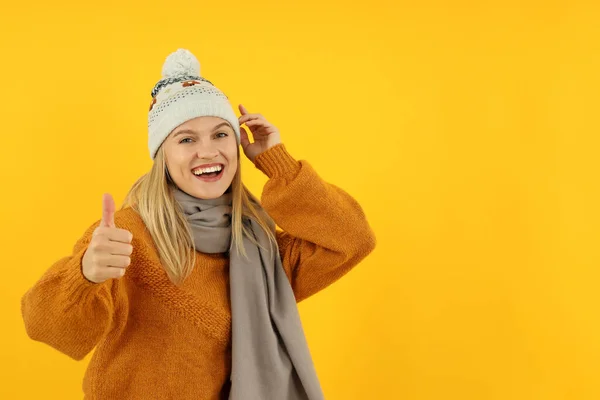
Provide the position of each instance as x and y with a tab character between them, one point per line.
155	340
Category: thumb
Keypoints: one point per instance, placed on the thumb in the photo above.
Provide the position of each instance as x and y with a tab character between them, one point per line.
244	139
108	211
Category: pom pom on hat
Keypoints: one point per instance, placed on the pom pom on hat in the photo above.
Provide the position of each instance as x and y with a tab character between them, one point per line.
180	63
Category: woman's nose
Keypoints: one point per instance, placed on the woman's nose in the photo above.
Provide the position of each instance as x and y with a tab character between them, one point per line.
207	151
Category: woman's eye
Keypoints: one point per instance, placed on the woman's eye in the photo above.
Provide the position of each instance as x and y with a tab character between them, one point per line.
186	140
222	133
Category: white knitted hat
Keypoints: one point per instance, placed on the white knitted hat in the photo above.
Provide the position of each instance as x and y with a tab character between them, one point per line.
182	94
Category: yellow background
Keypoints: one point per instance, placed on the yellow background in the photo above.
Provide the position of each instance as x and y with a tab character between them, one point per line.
467	130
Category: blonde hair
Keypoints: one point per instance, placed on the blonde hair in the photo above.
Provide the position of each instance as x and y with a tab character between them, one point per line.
152	198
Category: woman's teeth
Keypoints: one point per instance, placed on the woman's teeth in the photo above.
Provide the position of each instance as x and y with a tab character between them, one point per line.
209	170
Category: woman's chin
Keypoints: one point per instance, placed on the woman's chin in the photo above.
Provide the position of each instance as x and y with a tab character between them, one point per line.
208	191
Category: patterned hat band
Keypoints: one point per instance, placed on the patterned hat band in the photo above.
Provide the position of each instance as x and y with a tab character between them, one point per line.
168	81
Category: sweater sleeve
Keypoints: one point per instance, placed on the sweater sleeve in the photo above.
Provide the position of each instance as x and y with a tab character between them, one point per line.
65	310
324	231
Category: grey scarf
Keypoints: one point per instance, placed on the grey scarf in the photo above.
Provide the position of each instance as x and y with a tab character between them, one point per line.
270	356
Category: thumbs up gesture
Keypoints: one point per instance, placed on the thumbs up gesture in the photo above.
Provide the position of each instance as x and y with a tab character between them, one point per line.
108	254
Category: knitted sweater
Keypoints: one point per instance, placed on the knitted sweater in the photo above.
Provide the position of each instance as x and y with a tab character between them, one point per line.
155	340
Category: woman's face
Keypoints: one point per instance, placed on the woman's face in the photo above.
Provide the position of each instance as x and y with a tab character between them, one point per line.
201	156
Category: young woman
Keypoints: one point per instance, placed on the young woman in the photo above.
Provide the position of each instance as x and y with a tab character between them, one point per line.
189	291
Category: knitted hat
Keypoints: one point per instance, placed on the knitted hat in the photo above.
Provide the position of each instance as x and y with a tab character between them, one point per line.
182	94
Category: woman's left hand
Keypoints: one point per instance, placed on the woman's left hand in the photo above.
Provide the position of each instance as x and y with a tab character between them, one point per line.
264	134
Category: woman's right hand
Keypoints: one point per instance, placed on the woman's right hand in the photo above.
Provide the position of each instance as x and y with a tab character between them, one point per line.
108	254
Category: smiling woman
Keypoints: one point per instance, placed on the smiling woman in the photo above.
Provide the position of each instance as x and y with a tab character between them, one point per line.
189	291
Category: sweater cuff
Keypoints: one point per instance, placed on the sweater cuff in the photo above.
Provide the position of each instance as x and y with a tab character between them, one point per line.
276	162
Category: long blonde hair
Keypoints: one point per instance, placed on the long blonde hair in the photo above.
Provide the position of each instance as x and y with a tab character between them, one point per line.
152	198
